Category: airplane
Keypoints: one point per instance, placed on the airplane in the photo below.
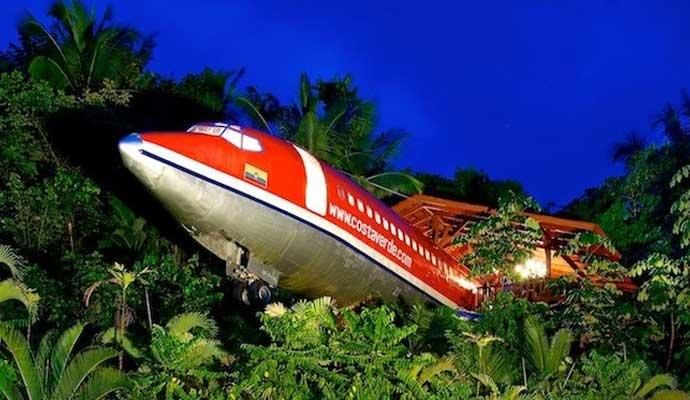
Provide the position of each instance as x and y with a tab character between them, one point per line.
279	217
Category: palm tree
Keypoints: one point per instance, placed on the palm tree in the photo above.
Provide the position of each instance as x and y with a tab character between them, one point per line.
52	373
196	333
633	144
658	387
12	260
492	364
670	120
334	124
510	392
14	289
124	315
80	52
184	355
546	358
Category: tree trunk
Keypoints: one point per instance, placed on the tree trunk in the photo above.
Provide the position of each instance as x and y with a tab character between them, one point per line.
70	231
40	130
148	307
121	328
671	342
120	331
524	372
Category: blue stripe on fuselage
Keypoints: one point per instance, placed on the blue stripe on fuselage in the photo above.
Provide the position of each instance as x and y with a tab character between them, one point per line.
283	212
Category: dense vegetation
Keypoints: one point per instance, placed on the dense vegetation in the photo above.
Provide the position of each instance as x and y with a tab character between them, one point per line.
101	295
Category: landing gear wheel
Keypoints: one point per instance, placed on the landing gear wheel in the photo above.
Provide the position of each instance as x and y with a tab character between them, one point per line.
260	293
240	292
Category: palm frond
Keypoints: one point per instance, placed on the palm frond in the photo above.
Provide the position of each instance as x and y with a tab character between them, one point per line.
9	388
246	103
12	260
62	350
202	351
12	290
559	349
393	182
444	364
670	395
42	357
18	346
126	342
487	382
633	143
79	369
495	364
536	344
182	324
103	382
659	381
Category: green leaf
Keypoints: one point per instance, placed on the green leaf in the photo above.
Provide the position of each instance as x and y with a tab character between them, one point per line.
103	382
80	368
18	346
62	350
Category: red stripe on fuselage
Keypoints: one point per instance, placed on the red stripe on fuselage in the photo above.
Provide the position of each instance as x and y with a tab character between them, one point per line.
287	179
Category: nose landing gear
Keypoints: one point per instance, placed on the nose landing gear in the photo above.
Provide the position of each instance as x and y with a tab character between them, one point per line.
255	294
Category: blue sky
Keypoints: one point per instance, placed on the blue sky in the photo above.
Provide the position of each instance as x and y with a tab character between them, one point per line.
536	91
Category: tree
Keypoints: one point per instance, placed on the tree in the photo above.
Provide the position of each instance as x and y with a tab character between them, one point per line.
612	377
53	373
317	351
334	124
502	240
546	358
666	290
81	52
214	90
24	107
470	185
184	359
14	289
123	279
633	144
666	285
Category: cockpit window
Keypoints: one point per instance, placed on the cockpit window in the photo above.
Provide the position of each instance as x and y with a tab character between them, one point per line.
231	133
242	141
216	129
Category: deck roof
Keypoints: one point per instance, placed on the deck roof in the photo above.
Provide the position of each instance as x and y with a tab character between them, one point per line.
443	221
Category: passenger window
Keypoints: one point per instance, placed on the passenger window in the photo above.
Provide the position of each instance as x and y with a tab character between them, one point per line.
377	217
350	200
407	240
385	224
369	212
360	205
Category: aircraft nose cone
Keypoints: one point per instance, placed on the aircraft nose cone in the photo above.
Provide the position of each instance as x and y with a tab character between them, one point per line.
144	168
130	143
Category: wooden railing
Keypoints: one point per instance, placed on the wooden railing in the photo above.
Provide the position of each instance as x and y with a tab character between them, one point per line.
532	290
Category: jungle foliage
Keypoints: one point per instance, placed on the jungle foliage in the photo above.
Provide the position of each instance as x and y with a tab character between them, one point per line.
102	296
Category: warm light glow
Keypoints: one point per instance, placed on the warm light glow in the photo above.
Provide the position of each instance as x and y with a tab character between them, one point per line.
532	268
464	283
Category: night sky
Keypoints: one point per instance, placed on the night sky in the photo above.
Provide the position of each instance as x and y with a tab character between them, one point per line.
536	91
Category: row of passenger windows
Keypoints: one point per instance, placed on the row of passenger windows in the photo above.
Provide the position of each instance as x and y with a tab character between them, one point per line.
389	226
